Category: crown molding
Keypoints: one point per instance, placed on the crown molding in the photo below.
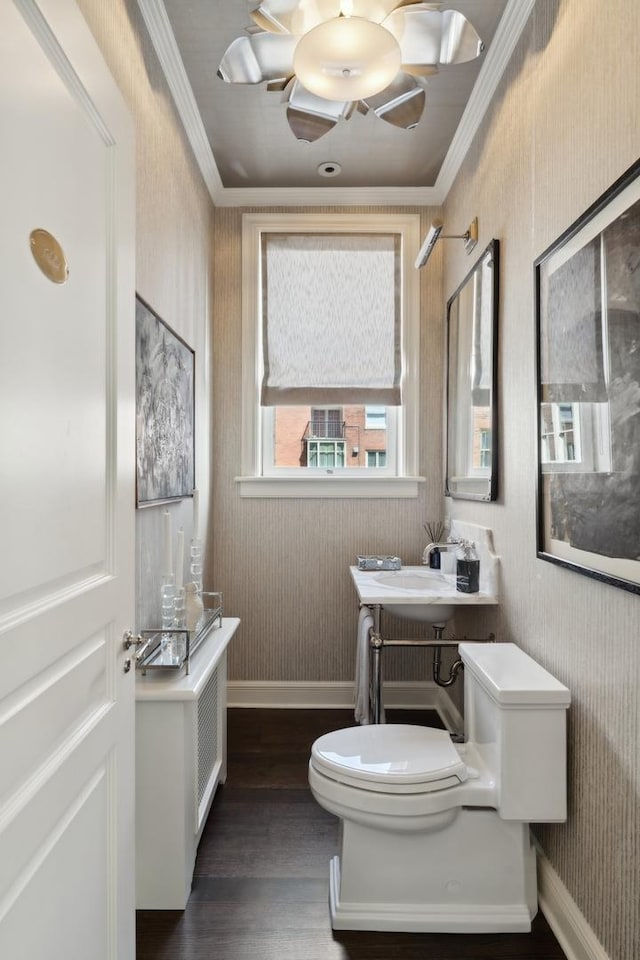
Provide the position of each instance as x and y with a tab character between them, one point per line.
164	43
511	25
327	196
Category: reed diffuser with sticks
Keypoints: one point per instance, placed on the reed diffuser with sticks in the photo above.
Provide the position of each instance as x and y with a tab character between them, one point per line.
435	530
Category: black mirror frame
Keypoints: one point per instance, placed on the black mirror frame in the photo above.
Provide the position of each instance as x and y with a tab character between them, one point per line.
491	494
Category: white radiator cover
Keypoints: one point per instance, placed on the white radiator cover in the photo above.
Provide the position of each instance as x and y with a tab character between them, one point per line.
181	744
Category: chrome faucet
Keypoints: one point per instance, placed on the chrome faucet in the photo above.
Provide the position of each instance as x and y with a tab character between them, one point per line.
444	545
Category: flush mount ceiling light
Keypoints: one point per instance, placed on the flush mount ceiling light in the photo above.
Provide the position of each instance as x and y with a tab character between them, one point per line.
331	57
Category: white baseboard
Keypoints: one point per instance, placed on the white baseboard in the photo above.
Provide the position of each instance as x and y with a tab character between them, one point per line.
572	931
294	695
309	695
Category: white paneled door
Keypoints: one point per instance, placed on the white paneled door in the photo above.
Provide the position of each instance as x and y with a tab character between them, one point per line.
66	492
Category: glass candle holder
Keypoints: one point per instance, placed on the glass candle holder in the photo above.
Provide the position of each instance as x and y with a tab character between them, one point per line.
179	615
195	564
167	597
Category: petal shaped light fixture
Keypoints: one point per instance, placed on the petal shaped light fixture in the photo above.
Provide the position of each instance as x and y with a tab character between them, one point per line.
401	103
309	116
431	36
257	57
333	56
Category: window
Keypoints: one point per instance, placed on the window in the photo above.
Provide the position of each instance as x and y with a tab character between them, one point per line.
325	453
376	458
575	437
326	422
328	452
560	432
296	441
296	430
485	448
375	418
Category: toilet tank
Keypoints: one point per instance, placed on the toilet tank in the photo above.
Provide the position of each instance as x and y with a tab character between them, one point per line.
515	714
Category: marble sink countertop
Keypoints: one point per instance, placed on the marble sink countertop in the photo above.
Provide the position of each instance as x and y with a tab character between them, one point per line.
422	585
413	584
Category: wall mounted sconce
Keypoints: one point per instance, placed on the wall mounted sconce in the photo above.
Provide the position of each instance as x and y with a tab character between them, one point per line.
435	233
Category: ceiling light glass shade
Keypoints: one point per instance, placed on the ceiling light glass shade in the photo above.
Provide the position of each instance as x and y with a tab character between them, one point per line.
347	58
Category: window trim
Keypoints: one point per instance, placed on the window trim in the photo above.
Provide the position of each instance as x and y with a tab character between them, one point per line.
252	482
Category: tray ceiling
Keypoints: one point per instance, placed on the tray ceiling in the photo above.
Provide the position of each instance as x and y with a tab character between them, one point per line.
249	155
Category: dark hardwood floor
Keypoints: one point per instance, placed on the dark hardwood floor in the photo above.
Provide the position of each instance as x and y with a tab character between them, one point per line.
260	887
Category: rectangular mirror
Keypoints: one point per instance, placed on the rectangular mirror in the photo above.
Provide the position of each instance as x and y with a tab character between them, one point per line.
471	410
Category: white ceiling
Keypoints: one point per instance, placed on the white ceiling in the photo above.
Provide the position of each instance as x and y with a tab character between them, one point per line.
249	156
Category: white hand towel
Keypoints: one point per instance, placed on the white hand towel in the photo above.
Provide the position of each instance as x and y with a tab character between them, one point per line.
362	709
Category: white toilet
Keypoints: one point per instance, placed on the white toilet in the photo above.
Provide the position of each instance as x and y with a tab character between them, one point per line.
435	835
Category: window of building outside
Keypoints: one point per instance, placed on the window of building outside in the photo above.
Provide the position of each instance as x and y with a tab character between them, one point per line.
326	422
320	447
485	448
329	437
325	453
575	437
375	418
376	458
560	432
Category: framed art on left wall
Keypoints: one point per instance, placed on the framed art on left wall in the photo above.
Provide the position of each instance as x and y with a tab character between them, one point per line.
165	411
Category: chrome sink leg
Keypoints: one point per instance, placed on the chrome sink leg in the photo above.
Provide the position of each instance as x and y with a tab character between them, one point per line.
375	645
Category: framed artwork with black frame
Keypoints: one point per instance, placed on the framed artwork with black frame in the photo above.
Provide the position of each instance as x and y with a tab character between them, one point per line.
587	300
165	411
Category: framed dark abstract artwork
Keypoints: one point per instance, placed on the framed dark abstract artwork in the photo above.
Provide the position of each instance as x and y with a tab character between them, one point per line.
588	370
165	411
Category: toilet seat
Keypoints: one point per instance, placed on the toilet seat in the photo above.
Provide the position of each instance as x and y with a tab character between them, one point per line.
390	758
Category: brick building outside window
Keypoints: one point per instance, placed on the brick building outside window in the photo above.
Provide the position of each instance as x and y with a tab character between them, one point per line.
327	437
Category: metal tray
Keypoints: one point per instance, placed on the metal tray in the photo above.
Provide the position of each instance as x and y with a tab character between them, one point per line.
172	649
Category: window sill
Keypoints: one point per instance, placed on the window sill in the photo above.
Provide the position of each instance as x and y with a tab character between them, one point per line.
371	488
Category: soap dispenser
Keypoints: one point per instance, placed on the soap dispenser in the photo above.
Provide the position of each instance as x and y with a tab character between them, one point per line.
468	569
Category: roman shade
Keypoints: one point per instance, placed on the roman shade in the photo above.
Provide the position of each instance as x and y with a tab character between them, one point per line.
331	315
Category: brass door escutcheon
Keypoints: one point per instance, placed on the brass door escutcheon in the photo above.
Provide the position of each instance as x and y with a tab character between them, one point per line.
49	255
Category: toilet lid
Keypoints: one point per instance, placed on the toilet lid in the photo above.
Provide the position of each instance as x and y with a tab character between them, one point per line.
384	756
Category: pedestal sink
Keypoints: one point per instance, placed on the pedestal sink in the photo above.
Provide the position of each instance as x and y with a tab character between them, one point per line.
420	594
417	593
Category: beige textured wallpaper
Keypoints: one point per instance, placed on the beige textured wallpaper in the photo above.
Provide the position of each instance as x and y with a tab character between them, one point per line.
173	249
558	134
283	564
